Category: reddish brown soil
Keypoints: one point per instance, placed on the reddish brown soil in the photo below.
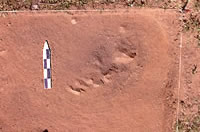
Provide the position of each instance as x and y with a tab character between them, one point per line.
112	72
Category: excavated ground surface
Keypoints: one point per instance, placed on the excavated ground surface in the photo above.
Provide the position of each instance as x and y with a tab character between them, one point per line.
112	71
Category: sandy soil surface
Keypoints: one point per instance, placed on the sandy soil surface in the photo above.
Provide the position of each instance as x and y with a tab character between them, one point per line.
114	71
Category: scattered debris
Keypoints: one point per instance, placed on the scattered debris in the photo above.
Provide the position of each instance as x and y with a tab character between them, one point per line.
35	7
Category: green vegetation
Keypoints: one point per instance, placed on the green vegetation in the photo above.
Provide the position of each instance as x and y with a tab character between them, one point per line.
138	3
197	5
15	4
189	125
6	5
192	23
179	125
50	1
61	4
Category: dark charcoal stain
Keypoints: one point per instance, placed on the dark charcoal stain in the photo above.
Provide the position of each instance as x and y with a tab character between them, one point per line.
132	55
46	130
182	102
77	89
194	69
127	48
114	68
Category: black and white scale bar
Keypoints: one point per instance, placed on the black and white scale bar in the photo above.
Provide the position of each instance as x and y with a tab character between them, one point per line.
47	66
